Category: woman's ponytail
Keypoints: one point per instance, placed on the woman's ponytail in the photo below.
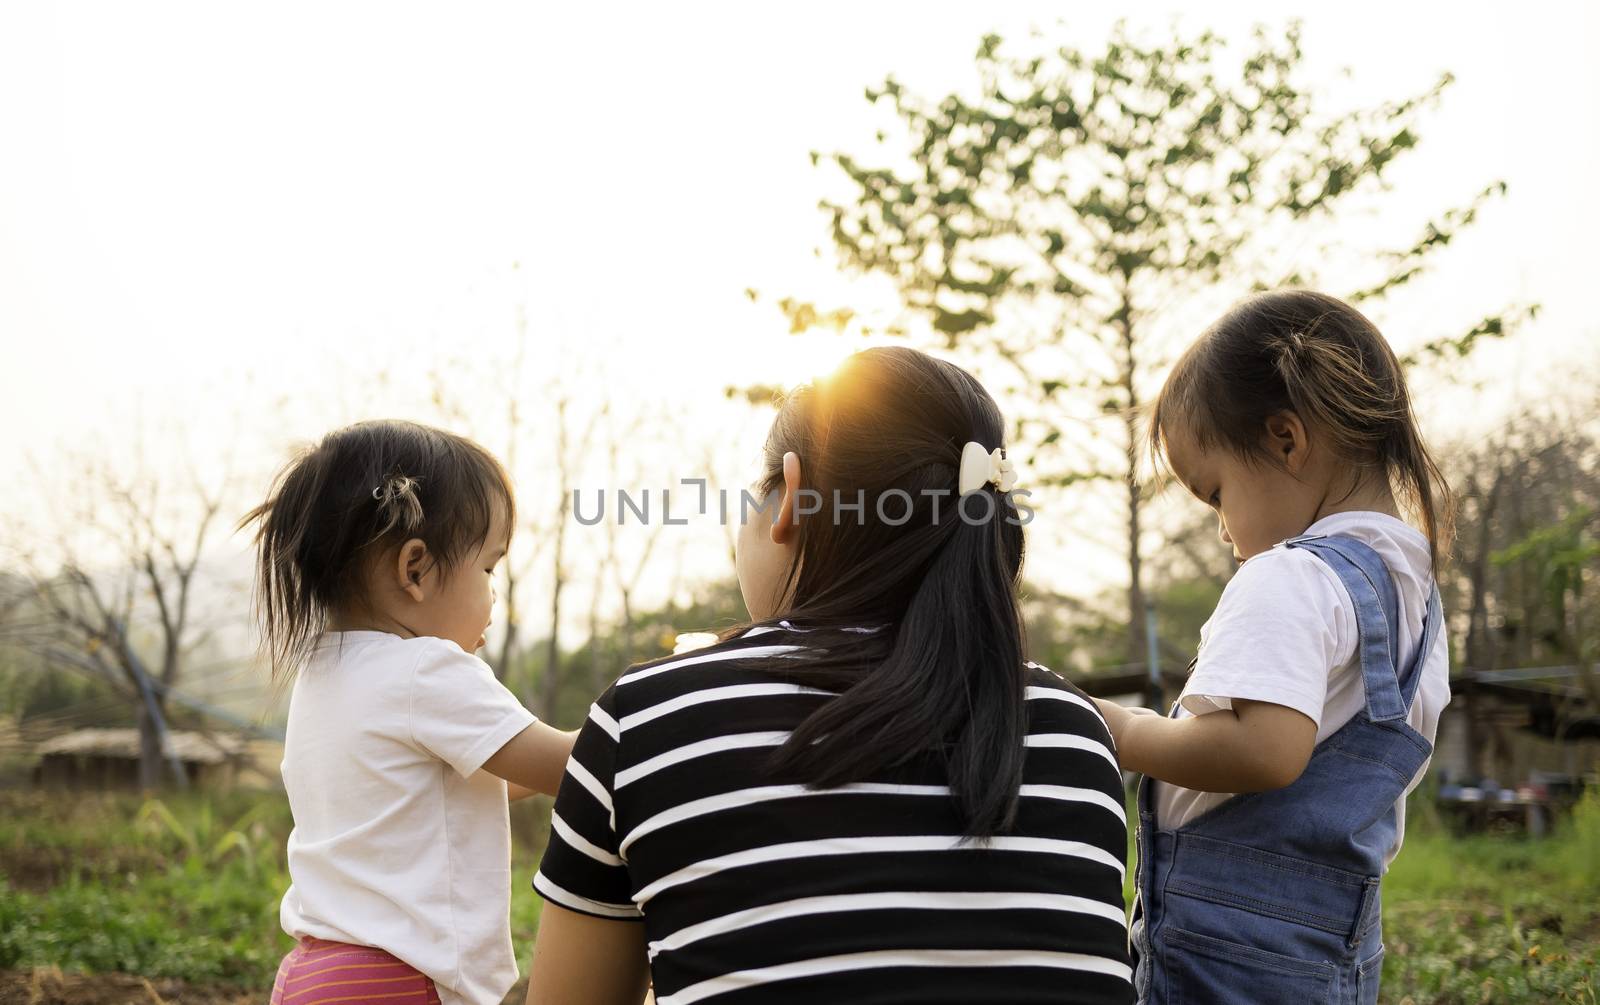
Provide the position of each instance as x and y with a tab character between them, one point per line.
950	684
908	598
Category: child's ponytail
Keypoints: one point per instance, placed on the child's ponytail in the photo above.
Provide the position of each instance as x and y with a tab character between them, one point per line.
399	505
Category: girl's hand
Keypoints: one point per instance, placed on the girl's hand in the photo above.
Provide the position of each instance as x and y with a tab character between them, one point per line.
1118	716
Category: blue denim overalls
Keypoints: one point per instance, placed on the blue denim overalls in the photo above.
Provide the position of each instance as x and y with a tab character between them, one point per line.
1272	897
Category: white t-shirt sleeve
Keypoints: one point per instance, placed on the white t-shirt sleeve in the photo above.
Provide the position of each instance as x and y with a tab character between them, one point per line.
1284	624
459	712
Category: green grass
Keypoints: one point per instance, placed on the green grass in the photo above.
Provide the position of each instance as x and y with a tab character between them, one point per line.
115	884
188	888
1495	919
183	887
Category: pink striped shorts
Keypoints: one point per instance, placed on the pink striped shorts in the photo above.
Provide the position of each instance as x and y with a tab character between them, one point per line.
317	972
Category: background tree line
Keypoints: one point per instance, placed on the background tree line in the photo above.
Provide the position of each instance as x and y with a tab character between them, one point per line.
1057	227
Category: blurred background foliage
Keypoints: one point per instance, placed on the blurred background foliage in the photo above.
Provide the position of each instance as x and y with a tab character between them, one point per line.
1059	223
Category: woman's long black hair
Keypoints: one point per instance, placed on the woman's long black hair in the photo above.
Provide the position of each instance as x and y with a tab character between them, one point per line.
942	674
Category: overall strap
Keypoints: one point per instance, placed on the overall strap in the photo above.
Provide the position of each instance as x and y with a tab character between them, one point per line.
1372	592
1431	623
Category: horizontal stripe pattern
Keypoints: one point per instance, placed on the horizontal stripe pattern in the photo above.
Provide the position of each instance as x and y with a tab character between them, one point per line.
553	892
582	844
711	656
715	744
751	885
1071	741
874	845
925	901
717	694
319	972
974	958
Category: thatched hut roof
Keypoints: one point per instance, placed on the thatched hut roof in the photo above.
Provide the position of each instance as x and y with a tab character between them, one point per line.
124	743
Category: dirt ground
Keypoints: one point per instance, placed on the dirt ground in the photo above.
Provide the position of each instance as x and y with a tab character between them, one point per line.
48	986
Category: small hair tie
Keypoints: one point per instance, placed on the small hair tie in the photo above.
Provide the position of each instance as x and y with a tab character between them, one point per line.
392	487
398	505
980	467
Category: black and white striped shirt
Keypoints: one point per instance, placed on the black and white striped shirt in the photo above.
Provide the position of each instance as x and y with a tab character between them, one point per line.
751	890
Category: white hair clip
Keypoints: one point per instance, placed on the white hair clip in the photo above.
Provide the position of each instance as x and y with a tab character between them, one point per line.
980	467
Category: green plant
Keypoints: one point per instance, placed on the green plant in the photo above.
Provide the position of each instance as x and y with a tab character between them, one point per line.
204	838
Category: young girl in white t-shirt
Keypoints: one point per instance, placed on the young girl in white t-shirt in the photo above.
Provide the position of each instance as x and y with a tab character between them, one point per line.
1279	781
377	555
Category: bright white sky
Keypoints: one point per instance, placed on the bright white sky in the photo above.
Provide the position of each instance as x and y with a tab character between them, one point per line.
217	214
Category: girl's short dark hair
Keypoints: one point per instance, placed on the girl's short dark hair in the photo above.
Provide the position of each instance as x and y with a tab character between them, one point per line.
1316	356
361	491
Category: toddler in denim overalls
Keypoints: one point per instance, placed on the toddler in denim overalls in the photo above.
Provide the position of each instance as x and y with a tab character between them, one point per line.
1273	896
1284	769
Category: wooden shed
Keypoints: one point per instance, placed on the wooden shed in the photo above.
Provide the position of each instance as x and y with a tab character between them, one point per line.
1516	724
109	758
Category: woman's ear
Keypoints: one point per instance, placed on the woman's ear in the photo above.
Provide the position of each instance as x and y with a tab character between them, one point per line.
789	511
1288	440
411	564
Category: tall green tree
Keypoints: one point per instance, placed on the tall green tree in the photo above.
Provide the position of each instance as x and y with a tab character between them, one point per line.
1052	217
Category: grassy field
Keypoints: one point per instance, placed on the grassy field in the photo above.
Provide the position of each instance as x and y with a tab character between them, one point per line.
115	899
182	891
1490	919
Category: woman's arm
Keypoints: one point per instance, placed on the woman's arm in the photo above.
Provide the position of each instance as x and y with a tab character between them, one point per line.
580	958
534	758
1251	747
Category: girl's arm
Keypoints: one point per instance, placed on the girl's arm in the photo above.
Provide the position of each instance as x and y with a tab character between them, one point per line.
533	759
515	792
580	958
1251	747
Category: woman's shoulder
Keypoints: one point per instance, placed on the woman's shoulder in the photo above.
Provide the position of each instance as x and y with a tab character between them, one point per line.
1053	698
1039	675
1065	723
732	662
754	643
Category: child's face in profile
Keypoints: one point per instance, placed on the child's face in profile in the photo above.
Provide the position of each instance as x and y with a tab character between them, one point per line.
460	606
1258	503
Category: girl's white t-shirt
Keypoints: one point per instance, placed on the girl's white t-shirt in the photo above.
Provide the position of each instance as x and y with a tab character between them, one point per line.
1285	632
399	840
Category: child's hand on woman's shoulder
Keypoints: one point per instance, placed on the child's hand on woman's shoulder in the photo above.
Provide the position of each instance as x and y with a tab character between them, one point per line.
1118	716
